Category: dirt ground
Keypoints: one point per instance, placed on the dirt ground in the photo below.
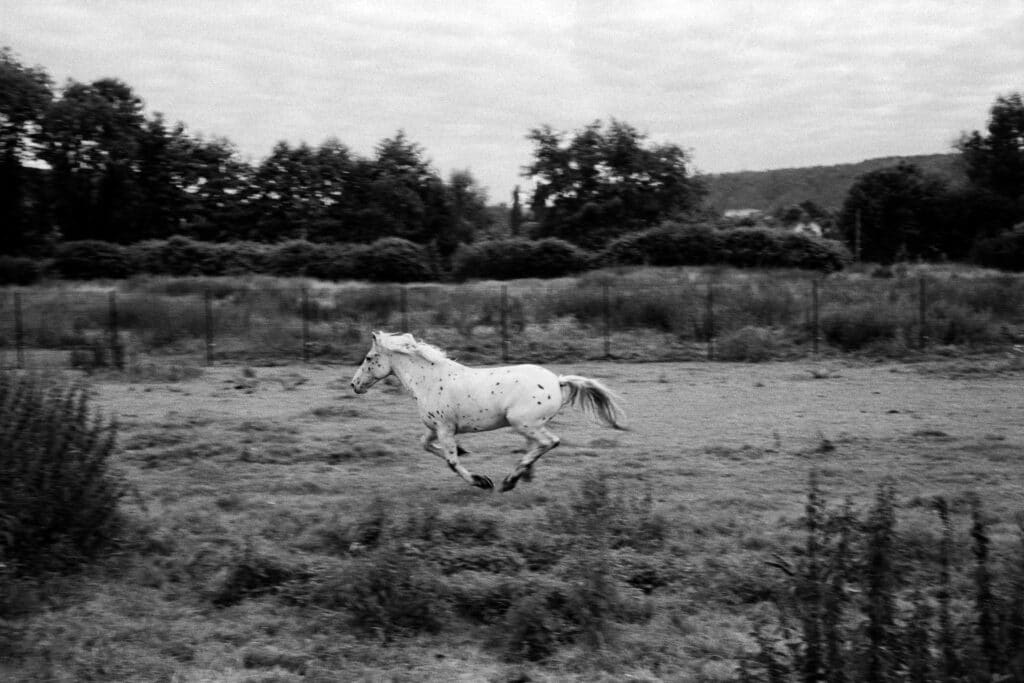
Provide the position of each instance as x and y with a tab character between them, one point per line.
696	429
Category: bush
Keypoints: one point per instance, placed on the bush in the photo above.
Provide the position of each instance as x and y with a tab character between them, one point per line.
58	496
177	256
386	593
1005	252
17	270
748	344
856	326
292	258
394	259
92	259
672	244
241	258
508	259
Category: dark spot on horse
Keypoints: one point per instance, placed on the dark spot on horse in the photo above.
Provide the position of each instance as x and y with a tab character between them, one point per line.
539	403
539	386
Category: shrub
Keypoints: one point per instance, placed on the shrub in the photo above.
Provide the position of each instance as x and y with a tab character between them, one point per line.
671	244
748	344
251	575
508	259
751	247
58	495
241	258
17	270
92	259
292	258
177	255
853	327
667	245
1005	251
339	262
393	259
386	593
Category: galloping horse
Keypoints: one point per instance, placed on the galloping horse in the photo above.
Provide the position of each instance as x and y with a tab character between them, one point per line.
455	399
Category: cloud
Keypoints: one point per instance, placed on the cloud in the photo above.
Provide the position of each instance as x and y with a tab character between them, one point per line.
744	84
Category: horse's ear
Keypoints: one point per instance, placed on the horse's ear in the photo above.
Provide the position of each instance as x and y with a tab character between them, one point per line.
376	338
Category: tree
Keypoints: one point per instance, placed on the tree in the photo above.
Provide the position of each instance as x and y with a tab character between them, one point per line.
995	162
90	140
469	214
898	213
394	194
25	95
605	181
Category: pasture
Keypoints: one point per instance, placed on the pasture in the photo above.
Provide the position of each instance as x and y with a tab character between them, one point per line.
282	528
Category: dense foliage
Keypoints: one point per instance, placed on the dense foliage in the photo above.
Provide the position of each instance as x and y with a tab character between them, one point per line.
58	495
1005	251
674	245
515	258
387	260
105	170
605	181
902	212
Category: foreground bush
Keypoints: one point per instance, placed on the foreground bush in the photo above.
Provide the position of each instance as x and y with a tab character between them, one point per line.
58	496
864	603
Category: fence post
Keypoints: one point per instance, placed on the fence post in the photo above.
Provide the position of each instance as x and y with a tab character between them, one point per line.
305	324
607	314
19	333
403	302
116	354
208	307
710	321
815	319
922	336
504	323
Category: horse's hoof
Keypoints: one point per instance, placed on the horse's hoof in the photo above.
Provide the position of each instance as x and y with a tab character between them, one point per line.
508	484
482	481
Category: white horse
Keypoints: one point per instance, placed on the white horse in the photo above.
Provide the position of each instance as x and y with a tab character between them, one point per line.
455	399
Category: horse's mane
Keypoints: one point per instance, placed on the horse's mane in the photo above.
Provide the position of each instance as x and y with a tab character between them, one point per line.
409	345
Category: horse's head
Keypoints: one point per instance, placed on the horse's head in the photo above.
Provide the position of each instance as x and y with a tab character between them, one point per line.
376	366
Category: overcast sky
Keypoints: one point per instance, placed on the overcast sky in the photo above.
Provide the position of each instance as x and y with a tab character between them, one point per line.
744	85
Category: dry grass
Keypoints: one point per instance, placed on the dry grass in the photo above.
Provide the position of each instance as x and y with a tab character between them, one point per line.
264	495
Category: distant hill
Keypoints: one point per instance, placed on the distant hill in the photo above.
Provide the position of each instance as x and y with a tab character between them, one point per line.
826	186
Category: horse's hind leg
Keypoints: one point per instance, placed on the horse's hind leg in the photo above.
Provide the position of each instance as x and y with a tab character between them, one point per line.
446	447
541	440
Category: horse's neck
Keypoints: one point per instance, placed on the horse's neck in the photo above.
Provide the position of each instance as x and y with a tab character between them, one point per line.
420	376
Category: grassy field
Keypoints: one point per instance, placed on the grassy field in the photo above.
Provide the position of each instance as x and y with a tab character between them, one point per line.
281	528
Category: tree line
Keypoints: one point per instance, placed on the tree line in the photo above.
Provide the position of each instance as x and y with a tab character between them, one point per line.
903	212
85	161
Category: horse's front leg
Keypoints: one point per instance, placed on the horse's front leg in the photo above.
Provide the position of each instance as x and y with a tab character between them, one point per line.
449	450
429	443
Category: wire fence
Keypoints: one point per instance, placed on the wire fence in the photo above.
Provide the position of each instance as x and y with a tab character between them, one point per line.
206	322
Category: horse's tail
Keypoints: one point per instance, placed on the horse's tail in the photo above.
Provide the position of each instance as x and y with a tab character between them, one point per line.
593	398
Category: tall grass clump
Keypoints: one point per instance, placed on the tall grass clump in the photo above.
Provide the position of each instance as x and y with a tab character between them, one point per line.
864	602
58	492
